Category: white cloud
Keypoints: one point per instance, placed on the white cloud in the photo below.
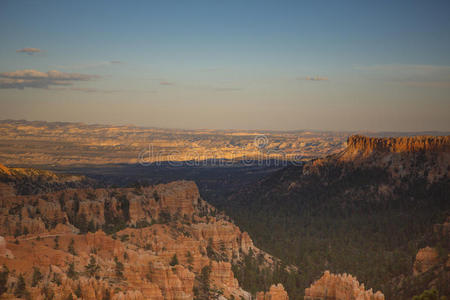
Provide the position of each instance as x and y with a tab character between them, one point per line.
35	79
29	51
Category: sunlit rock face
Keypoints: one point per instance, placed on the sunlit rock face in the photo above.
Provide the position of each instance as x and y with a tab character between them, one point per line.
426	259
340	287
169	235
45	143
426	157
4	252
276	292
399	144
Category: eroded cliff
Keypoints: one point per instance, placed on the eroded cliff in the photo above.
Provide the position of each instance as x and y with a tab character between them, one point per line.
340	287
164	242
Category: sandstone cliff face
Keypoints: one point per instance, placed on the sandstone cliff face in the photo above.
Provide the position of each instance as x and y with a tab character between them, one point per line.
340	287
276	292
426	258
37	214
431	268
425	157
4	252
171	235
399	144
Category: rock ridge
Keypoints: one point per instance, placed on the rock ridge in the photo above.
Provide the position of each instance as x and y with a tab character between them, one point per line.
399	144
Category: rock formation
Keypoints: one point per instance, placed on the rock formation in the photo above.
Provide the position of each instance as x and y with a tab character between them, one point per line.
167	235
426	258
276	292
65	144
4	252
340	287
425	157
398	144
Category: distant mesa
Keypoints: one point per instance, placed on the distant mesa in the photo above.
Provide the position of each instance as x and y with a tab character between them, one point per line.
399	144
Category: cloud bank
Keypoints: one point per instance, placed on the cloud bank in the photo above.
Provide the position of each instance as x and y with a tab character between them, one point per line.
35	79
29	51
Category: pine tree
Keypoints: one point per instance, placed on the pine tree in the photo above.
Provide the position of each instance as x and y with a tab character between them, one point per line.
3	280
78	292
21	288
37	277
92	268
107	295
56	242
71	248
49	294
174	260
71	273
119	268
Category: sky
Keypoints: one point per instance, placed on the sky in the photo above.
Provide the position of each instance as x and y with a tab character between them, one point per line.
280	65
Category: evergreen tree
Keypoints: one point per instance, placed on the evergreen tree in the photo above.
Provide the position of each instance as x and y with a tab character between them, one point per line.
49	294
78	292
71	273
119	268
3	280
71	248
174	260
91	226
203	291
21	288
107	295
56	242
37	277
432	294
92	268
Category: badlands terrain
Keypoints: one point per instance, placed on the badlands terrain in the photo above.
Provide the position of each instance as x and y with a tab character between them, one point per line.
55	143
156	242
322	229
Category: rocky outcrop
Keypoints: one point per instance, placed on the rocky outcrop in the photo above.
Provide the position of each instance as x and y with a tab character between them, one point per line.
425	157
4	252
442	232
398	144
97	208
340	287
426	259
33	181
171	234
276	292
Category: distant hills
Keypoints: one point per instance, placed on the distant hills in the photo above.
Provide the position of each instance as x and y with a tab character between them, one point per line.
56	143
39	143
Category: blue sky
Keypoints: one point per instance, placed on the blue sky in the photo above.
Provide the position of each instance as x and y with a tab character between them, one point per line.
334	65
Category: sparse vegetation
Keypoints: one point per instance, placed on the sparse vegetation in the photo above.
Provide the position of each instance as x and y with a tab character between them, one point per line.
92	267
21	289
118	268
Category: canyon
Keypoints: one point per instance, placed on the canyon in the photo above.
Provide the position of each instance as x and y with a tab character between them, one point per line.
69	236
170	237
